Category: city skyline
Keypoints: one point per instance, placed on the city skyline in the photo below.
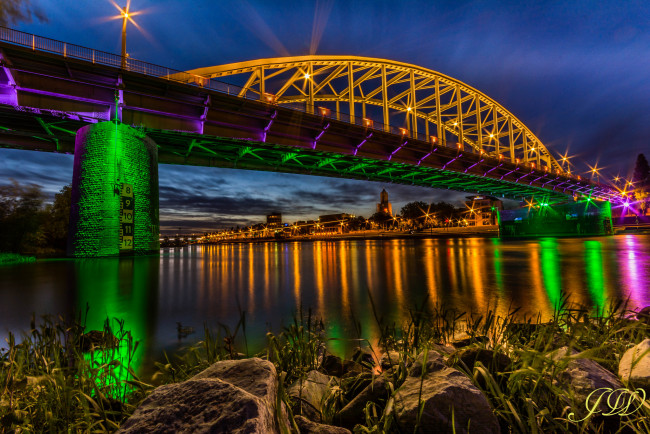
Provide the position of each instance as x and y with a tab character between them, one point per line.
576	80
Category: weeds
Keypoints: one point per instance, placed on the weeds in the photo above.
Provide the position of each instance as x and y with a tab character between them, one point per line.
49	382
60	379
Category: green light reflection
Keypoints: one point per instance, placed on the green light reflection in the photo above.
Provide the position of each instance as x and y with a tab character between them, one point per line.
595	274
498	264
118	289
550	264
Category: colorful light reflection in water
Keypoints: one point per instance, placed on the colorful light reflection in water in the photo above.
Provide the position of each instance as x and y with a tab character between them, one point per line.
336	279
550	266
118	289
633	261
595	275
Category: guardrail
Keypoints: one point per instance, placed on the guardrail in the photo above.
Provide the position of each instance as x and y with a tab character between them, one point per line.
73	51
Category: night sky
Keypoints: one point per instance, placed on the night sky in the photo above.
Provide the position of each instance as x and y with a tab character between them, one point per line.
576	73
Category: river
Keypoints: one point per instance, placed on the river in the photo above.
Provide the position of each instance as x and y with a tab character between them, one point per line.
338	280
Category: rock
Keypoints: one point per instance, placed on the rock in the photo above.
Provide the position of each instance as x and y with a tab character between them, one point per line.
496	363
234	396
634	366
308	394
332	365
354	385
582	376
364	356
306	426
435	362
352	413
443	349
464	340
352	369
337	367
388	360
644	315
254	375
446	393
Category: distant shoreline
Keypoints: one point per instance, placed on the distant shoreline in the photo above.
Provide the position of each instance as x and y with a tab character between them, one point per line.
487	232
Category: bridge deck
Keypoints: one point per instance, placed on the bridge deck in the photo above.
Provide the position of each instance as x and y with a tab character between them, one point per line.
45	98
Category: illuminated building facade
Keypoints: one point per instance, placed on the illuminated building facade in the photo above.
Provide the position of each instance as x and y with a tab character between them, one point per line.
334	223
274	219
384	205
482	210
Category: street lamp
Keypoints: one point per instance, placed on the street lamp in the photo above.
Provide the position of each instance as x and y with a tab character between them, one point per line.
127	15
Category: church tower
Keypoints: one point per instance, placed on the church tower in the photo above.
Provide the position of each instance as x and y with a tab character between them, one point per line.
384	205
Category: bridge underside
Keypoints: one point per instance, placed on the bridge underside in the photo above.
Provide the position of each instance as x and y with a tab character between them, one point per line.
194	149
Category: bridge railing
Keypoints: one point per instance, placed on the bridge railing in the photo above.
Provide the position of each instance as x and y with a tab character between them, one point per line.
74	51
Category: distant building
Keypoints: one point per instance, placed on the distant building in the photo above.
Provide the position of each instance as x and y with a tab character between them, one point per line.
482	210
274	219
384	205
334	223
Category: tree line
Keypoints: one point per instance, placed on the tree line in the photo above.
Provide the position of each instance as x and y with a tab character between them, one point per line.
420	214
30	226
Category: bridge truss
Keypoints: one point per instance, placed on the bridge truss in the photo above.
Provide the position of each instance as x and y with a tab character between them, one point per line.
409	100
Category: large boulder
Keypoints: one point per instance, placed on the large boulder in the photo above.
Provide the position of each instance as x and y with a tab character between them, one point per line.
634	366
234	396
580	377
308	394
306	426
463	340
389	359
364	356
337	367
434	362
496	363
447	395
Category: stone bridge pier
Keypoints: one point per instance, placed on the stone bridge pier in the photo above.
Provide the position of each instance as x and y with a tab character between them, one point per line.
114	209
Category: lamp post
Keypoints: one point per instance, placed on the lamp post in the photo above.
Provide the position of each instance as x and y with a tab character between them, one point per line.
125	16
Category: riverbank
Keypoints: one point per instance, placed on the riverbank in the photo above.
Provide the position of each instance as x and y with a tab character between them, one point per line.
522	376
452	232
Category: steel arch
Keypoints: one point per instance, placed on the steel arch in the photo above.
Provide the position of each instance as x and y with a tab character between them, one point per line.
409	100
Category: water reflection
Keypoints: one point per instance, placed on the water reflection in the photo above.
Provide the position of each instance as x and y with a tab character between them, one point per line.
633	260
211	284
595	275
123	289
550	266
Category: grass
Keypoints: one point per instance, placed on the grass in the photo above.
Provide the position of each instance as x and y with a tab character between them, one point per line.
49	383
59	379
529	396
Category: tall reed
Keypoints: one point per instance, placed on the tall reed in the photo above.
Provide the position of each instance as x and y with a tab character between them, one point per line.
58	378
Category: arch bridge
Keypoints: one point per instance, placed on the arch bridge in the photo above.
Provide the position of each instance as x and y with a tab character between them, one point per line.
339	116
388	96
